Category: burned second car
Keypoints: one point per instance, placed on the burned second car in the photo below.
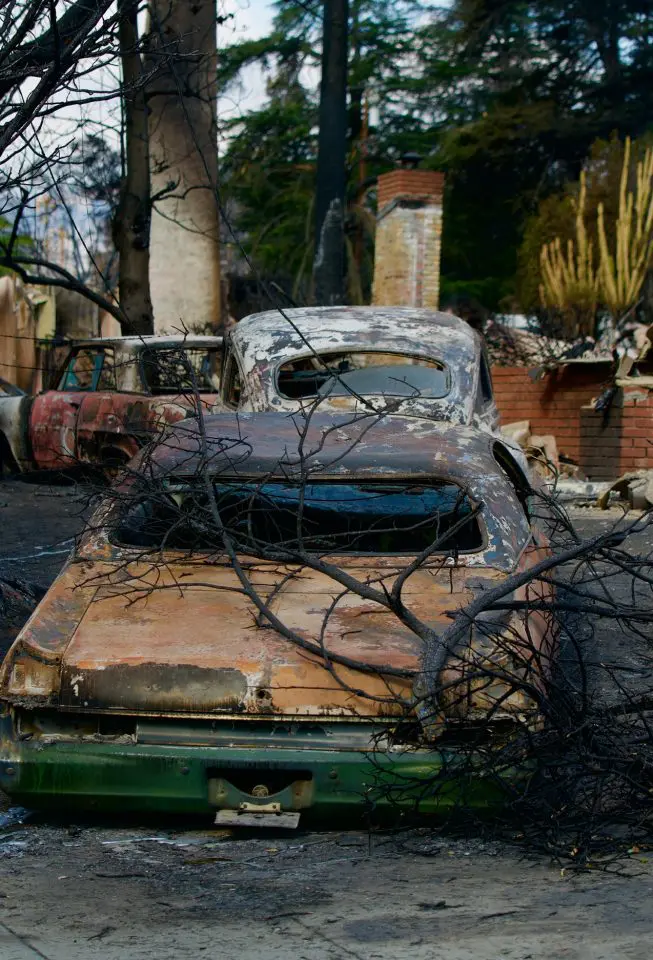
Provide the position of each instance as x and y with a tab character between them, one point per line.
108	399
419	362
242	626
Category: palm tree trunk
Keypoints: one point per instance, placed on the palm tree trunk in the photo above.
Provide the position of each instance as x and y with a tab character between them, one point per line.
185	240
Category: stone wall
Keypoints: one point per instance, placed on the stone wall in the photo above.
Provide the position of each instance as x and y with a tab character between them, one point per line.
18	335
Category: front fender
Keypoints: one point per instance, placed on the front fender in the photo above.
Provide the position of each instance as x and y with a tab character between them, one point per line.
14	427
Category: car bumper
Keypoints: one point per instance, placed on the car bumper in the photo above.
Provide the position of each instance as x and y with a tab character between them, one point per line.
336	784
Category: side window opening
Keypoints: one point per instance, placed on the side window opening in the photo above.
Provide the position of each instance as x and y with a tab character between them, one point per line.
515	476
89	369
487	393
232	388
182	369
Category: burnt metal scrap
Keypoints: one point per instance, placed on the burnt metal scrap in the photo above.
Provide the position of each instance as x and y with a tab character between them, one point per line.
18	600
113	395
317	612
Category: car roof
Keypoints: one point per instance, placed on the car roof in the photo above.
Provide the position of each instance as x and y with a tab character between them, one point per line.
266	446
270	443
267	337
154	340
10	389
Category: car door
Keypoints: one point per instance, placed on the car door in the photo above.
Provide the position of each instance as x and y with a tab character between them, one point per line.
111	410
55	413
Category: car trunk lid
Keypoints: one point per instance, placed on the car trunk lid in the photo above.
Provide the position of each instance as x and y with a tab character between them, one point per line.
186	640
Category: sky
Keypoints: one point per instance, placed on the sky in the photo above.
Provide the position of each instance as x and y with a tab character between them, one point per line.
250	19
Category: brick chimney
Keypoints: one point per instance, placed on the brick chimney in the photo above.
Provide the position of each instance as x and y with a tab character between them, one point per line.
408	229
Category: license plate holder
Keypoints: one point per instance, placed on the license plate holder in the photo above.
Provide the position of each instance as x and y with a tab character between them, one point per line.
282	820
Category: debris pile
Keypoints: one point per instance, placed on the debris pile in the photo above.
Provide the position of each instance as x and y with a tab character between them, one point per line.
541	449
635	487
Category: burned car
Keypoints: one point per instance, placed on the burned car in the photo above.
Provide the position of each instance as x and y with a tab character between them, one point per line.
223	639
413	361
108	399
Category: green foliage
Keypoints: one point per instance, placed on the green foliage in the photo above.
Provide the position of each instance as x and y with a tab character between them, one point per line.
505	96
554	218
269	165
555	214
544	80
23	244
269	173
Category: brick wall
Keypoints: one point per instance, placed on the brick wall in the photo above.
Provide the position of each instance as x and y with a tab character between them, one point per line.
409	183
619	441
605	446
552	404
407	247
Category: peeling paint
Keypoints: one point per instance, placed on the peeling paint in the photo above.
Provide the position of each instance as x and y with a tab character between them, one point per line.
192	651
263	341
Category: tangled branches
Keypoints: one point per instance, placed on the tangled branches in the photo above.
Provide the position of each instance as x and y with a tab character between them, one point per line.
400	583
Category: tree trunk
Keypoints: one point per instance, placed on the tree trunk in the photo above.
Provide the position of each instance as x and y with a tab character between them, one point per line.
185	240
131	228
328	269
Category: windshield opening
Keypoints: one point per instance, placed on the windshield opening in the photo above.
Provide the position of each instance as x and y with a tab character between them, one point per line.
363	373
181	369
327	517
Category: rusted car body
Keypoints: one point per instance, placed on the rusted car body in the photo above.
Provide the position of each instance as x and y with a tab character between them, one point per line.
149	679
412	361
109	398
8	389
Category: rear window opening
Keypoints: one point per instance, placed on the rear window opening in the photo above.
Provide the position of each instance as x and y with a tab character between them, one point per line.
181	369
329	517
363	373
